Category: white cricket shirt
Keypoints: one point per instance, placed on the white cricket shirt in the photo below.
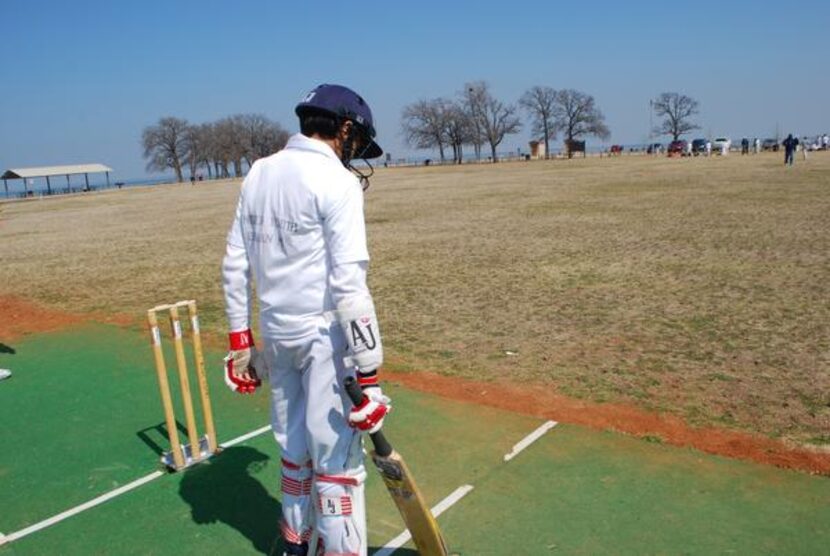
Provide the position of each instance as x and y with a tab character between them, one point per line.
300	213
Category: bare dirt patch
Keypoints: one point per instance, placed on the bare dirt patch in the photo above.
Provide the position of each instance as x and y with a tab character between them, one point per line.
543	401
19	318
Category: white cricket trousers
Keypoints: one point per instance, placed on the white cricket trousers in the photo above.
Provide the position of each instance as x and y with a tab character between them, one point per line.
309	417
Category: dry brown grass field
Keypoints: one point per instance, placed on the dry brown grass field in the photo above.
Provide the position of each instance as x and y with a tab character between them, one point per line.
698	287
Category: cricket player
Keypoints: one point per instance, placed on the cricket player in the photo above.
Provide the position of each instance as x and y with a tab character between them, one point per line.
299	232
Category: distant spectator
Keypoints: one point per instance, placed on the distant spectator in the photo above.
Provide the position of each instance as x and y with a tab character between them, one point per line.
708	148
790	143
744	146
757	145
825	142
805	146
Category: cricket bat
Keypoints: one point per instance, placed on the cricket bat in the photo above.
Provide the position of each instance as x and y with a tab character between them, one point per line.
401	486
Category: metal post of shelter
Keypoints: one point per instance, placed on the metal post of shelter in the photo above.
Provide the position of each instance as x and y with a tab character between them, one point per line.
86	179
48	186
68	186
108	178
6	186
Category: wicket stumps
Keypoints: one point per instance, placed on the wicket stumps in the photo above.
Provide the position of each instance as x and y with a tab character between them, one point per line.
197	449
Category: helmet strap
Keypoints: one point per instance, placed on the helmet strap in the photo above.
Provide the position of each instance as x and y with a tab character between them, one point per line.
347	154
362	175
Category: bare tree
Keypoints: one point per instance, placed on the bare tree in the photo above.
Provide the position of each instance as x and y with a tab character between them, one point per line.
576	115
196	145
424	124
259	136
230	145
676	110
539	102
165	145
492	118
459	130
214	156
204	155
274	139
472	99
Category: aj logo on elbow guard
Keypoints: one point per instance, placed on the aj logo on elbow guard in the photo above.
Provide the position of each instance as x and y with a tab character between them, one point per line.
359	337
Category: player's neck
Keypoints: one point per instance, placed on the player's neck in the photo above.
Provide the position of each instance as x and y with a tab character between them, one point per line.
334	143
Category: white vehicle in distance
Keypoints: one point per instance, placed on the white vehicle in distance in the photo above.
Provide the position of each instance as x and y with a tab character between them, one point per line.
721	145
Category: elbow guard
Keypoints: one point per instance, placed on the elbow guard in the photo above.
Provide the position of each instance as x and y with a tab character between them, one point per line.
357	317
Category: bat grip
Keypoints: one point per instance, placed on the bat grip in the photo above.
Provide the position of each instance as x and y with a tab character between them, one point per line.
355	392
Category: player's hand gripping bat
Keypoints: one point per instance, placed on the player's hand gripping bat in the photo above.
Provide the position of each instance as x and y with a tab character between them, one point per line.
401	485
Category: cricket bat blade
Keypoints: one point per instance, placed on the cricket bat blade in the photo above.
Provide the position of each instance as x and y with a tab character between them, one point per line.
402	488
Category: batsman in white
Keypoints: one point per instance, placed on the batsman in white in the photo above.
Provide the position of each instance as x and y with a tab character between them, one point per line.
299	231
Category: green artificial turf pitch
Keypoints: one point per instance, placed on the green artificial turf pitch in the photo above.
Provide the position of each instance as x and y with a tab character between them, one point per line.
81	416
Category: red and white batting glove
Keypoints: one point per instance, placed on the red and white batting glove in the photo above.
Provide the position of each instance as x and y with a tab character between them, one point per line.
368	415
241	362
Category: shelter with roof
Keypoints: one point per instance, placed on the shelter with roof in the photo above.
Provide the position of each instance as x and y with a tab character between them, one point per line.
49	172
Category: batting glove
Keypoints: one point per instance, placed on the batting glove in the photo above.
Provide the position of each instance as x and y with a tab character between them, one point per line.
368	415
241	363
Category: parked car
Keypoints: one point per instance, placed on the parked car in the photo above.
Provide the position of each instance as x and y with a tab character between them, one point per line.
698	146
721	145
769	145
677	147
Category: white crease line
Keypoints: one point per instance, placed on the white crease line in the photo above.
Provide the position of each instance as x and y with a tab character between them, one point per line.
437	510
245	437
11	537
81	508
530	439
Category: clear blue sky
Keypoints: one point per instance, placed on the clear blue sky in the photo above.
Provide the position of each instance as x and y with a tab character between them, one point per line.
80	80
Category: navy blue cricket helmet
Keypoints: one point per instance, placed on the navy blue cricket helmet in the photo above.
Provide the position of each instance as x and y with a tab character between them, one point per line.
343	103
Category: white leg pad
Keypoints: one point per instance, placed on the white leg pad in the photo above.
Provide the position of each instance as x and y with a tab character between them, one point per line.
297	514
341	514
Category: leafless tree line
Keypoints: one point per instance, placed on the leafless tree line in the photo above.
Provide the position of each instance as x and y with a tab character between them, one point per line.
477	118
220	147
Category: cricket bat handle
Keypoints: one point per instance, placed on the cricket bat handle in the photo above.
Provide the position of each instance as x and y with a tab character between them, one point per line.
355	392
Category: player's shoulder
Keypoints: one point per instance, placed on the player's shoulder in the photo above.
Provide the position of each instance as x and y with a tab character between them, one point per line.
324	175
256	169
265	162
263	170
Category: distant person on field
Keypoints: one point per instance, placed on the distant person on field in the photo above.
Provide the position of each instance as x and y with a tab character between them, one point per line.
744	146
708	148
789	144
757	145
805	146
